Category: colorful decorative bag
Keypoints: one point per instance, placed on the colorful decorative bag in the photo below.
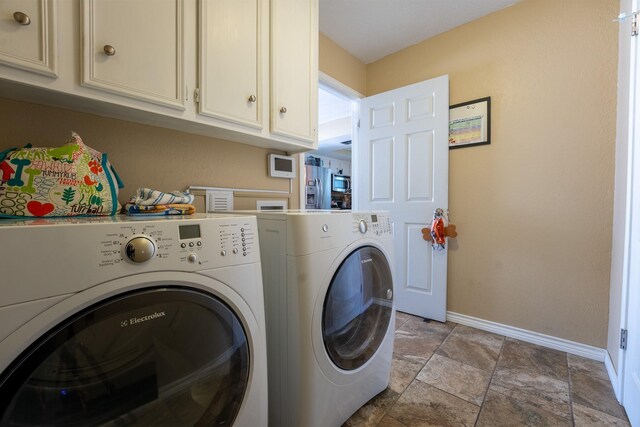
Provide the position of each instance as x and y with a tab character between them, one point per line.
66	181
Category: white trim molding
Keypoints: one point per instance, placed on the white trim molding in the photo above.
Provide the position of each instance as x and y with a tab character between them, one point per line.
543	340
335	85
613	376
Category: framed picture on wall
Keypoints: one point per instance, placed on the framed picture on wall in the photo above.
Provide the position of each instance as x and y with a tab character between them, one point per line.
470	123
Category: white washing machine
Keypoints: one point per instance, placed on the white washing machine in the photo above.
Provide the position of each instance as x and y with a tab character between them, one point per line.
130	321
330	314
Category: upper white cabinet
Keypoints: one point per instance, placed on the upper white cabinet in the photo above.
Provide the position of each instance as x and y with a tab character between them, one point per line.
28	35
259	62
294	68
134	48
230	74
240	70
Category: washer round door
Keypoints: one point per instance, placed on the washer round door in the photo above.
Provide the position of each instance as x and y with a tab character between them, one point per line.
159	356
357	308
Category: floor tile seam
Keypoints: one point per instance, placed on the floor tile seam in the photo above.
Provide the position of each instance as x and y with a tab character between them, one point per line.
399	395
603	413
568	416
444	340
384	414
515	399
451	394
401	325
484	398
395	401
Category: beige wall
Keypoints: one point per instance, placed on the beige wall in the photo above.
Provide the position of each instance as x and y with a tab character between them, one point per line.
619	200
341	65
534	208
144	156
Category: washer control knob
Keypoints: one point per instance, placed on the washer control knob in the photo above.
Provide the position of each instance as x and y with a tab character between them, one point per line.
223	252
140	249
192	257
325	228
235	250
362	226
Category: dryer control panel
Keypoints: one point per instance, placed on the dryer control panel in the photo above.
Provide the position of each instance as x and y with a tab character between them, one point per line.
182	245
60	256
377	223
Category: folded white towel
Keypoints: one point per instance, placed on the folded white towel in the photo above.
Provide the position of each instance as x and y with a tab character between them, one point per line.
149	197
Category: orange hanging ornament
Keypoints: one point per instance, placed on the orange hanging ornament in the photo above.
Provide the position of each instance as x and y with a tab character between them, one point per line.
437	230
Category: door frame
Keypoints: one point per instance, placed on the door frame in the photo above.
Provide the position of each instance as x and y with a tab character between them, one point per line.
631	274
340	89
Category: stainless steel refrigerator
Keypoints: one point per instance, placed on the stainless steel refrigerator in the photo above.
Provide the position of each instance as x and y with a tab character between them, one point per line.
318	187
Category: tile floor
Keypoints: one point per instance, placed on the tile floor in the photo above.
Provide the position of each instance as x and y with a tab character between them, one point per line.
445	374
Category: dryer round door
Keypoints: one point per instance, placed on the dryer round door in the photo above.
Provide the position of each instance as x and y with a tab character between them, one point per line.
357	308
159	356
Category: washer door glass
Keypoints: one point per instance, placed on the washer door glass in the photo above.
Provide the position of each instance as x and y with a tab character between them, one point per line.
157	357
357	308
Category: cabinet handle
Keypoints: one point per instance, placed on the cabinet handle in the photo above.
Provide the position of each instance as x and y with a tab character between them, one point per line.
109	50
21	18
252	98
283	110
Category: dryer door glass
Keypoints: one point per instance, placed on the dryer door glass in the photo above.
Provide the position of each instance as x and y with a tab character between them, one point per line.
357	308
163	356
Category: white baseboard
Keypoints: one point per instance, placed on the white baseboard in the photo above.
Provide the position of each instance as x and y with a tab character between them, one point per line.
561	344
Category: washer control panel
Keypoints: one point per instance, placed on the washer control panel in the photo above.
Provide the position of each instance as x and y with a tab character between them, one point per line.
180	244
377	223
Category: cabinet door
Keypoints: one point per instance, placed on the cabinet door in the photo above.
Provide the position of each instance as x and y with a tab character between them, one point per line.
134	48
28	35
294	68
230	77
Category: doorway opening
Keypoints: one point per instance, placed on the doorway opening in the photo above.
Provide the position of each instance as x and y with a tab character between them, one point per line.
329	171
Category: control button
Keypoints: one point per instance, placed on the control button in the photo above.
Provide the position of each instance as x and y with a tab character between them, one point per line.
192	257
242	234
199	243
325	228
140	249
244	253
223	252
183	245
235	250
243	239
190	244
242	229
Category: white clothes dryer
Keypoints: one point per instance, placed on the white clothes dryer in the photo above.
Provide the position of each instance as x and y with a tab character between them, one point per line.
132	321
330	315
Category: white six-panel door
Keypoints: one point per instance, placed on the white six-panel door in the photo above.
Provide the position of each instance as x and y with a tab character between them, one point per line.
403	167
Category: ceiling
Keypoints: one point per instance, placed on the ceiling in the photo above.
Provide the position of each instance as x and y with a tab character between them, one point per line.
373	29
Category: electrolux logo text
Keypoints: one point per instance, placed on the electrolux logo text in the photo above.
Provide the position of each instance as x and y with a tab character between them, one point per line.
134	320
